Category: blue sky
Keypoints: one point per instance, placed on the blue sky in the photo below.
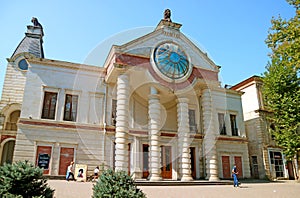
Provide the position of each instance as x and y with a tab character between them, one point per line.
231	31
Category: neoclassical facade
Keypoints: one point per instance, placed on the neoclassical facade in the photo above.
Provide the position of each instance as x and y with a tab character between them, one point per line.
156	109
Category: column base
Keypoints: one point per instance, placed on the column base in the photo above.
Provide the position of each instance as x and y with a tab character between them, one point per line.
186	178
213	178
155	178
137	175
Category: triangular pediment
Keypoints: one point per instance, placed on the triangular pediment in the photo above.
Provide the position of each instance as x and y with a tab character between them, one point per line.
145	45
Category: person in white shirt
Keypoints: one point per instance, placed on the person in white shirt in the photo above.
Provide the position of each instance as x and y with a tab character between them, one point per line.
70	172
96	173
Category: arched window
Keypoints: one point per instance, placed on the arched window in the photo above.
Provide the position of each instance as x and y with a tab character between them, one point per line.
7	152
11	124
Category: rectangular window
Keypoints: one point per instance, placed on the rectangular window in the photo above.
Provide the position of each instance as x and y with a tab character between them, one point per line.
114	112
221	119
71	104
192	121
49	105
234	129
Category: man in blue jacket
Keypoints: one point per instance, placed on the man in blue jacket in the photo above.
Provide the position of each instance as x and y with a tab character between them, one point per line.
234	175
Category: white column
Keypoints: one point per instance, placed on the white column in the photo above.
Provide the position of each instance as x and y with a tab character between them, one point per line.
184	139
122	126
209	137
137	159
154	134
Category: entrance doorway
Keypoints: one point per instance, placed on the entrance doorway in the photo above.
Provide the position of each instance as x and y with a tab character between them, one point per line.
43	158
226	167
193	161
66	156
145	160
255	173
166	161
239	165
276	163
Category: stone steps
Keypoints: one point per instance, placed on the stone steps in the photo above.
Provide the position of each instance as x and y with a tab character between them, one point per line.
181	183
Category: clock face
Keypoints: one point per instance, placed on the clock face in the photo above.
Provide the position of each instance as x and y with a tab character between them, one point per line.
171	60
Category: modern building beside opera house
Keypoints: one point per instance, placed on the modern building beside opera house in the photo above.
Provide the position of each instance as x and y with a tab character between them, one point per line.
156	109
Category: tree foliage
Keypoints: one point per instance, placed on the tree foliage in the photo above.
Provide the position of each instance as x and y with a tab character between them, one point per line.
23	180
116	184
281	80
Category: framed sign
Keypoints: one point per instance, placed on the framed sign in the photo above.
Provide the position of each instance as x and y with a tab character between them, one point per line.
43	160
80	172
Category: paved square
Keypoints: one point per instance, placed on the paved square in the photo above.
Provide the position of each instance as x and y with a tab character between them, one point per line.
290	189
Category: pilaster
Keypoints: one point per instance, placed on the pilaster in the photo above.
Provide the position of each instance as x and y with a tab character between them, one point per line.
137	163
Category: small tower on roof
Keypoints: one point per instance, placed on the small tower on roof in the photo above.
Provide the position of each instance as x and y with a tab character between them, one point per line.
33	41
167	22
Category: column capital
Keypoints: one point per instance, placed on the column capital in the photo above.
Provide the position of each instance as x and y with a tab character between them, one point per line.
153	96
182	100
153	90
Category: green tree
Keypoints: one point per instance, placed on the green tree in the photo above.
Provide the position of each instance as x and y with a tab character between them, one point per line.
116	185
281	81
22	179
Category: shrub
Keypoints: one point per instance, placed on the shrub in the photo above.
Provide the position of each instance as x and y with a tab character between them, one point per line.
22	179
116	184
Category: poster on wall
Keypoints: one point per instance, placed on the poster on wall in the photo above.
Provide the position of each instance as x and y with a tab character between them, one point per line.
43	161
80	172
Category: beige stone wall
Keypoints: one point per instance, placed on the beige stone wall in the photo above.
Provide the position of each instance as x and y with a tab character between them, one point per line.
255	133
13	87
89	146
12	93
228	103
232	148
64	80
250	102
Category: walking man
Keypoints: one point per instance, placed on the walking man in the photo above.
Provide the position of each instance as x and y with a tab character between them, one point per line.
70	172
234	175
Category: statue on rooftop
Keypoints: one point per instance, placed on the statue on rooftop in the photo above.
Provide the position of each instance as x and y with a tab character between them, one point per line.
36	22
167	15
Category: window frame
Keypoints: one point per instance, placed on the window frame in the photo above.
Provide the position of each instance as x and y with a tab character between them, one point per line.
233	124
48	116
71	117
114	112
222	126
193	123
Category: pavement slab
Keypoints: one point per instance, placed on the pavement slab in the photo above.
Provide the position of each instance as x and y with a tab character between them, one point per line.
289	189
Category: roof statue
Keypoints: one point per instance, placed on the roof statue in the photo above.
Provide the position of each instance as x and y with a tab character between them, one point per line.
167	15
36	22
32	43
